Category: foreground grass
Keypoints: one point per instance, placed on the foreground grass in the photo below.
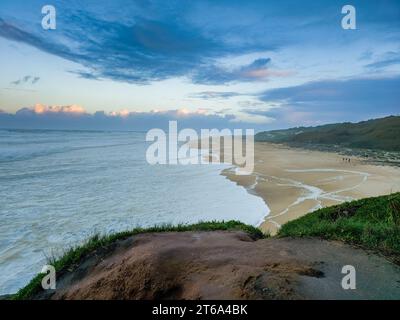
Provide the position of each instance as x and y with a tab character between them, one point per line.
74	255
373	223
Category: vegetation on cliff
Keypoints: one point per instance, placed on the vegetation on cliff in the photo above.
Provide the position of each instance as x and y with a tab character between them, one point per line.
381	134
74	255
373	223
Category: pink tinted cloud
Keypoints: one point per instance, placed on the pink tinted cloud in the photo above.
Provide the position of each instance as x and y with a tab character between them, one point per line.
72	109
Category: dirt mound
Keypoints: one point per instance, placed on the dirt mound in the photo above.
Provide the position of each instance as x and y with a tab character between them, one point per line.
226	265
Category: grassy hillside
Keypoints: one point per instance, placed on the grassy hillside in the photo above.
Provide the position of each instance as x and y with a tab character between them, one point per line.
372	223
382	134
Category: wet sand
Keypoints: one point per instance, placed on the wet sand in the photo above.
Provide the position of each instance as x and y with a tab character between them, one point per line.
294	181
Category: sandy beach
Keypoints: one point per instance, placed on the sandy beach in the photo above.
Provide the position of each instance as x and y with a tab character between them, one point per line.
294	181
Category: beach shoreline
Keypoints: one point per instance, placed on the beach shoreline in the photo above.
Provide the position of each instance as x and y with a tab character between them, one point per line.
294	181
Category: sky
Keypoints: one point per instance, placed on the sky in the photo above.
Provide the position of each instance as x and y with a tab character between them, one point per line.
252	64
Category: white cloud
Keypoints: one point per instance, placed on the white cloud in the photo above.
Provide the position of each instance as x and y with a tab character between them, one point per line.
252	118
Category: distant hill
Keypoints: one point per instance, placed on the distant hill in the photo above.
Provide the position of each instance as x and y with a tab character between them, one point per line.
382	134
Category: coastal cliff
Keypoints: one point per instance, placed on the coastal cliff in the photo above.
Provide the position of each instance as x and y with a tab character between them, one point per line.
230	260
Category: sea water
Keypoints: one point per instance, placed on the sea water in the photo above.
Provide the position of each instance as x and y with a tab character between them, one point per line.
57	188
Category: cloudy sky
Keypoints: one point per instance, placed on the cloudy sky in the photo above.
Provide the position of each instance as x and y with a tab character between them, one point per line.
135	64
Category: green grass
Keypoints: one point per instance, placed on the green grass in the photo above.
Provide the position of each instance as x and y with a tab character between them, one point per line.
372	223
73	256
379	134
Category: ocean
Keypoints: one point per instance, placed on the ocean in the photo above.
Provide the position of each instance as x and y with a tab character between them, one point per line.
57	188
